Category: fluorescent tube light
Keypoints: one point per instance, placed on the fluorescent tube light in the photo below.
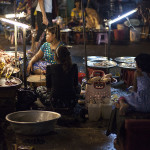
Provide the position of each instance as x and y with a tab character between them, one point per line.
20	15
15	23
123	16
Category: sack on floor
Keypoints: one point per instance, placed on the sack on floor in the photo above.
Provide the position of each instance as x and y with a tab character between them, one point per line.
25	99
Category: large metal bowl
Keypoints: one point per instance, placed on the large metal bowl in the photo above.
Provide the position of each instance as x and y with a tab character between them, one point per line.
127	65
96	58
102	64
33	122
126	59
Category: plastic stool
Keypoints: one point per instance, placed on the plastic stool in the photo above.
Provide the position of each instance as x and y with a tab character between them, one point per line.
100	39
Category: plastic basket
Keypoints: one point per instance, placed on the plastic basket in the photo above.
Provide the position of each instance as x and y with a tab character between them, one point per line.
97	92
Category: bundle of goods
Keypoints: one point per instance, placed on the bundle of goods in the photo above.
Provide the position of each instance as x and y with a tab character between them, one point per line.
98	88
7	62
9	56
6	70
98	95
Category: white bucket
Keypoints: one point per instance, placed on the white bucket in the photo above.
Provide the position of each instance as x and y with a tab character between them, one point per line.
94	112
135	34
106	110
120	26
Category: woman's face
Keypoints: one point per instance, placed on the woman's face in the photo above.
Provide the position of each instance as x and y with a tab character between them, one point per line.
50	37
77	4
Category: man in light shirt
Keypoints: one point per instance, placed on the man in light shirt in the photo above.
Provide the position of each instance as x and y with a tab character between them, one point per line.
44	16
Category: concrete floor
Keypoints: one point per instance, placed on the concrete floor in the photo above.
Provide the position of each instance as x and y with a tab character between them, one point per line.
117	49
69	134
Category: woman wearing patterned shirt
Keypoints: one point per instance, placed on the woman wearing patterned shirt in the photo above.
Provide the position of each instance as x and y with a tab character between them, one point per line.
76	14
45	55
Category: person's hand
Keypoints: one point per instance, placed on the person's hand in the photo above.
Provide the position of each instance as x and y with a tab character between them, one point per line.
29	68
43	71
123	108
81	21
117	105
45	21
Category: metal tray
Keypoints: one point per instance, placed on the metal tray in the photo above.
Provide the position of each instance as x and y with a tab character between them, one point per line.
103	64
3	81
12	53
96	58
125	59
66	30
127	65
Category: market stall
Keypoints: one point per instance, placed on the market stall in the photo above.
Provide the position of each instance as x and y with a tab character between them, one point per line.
23	27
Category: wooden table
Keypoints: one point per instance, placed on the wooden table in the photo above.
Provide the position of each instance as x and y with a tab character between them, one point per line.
37	80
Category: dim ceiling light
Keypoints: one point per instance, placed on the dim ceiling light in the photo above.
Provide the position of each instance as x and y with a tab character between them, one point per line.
123	16
20	15
15	23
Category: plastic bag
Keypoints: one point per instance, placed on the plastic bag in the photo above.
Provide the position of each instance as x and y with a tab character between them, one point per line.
25	99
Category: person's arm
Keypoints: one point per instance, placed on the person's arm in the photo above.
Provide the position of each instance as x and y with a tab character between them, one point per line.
39	55
45	20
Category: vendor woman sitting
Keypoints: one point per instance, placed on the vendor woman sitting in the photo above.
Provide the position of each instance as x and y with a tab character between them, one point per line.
46	52
61	82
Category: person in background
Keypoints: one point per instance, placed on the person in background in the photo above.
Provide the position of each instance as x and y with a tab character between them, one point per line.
137	101
44	17
62	80
33	18
144	15
46	52
76	14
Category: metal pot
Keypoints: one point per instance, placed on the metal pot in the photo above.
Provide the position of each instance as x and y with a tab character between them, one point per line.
33	122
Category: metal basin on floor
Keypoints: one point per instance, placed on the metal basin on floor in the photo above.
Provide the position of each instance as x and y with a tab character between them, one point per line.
33	122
